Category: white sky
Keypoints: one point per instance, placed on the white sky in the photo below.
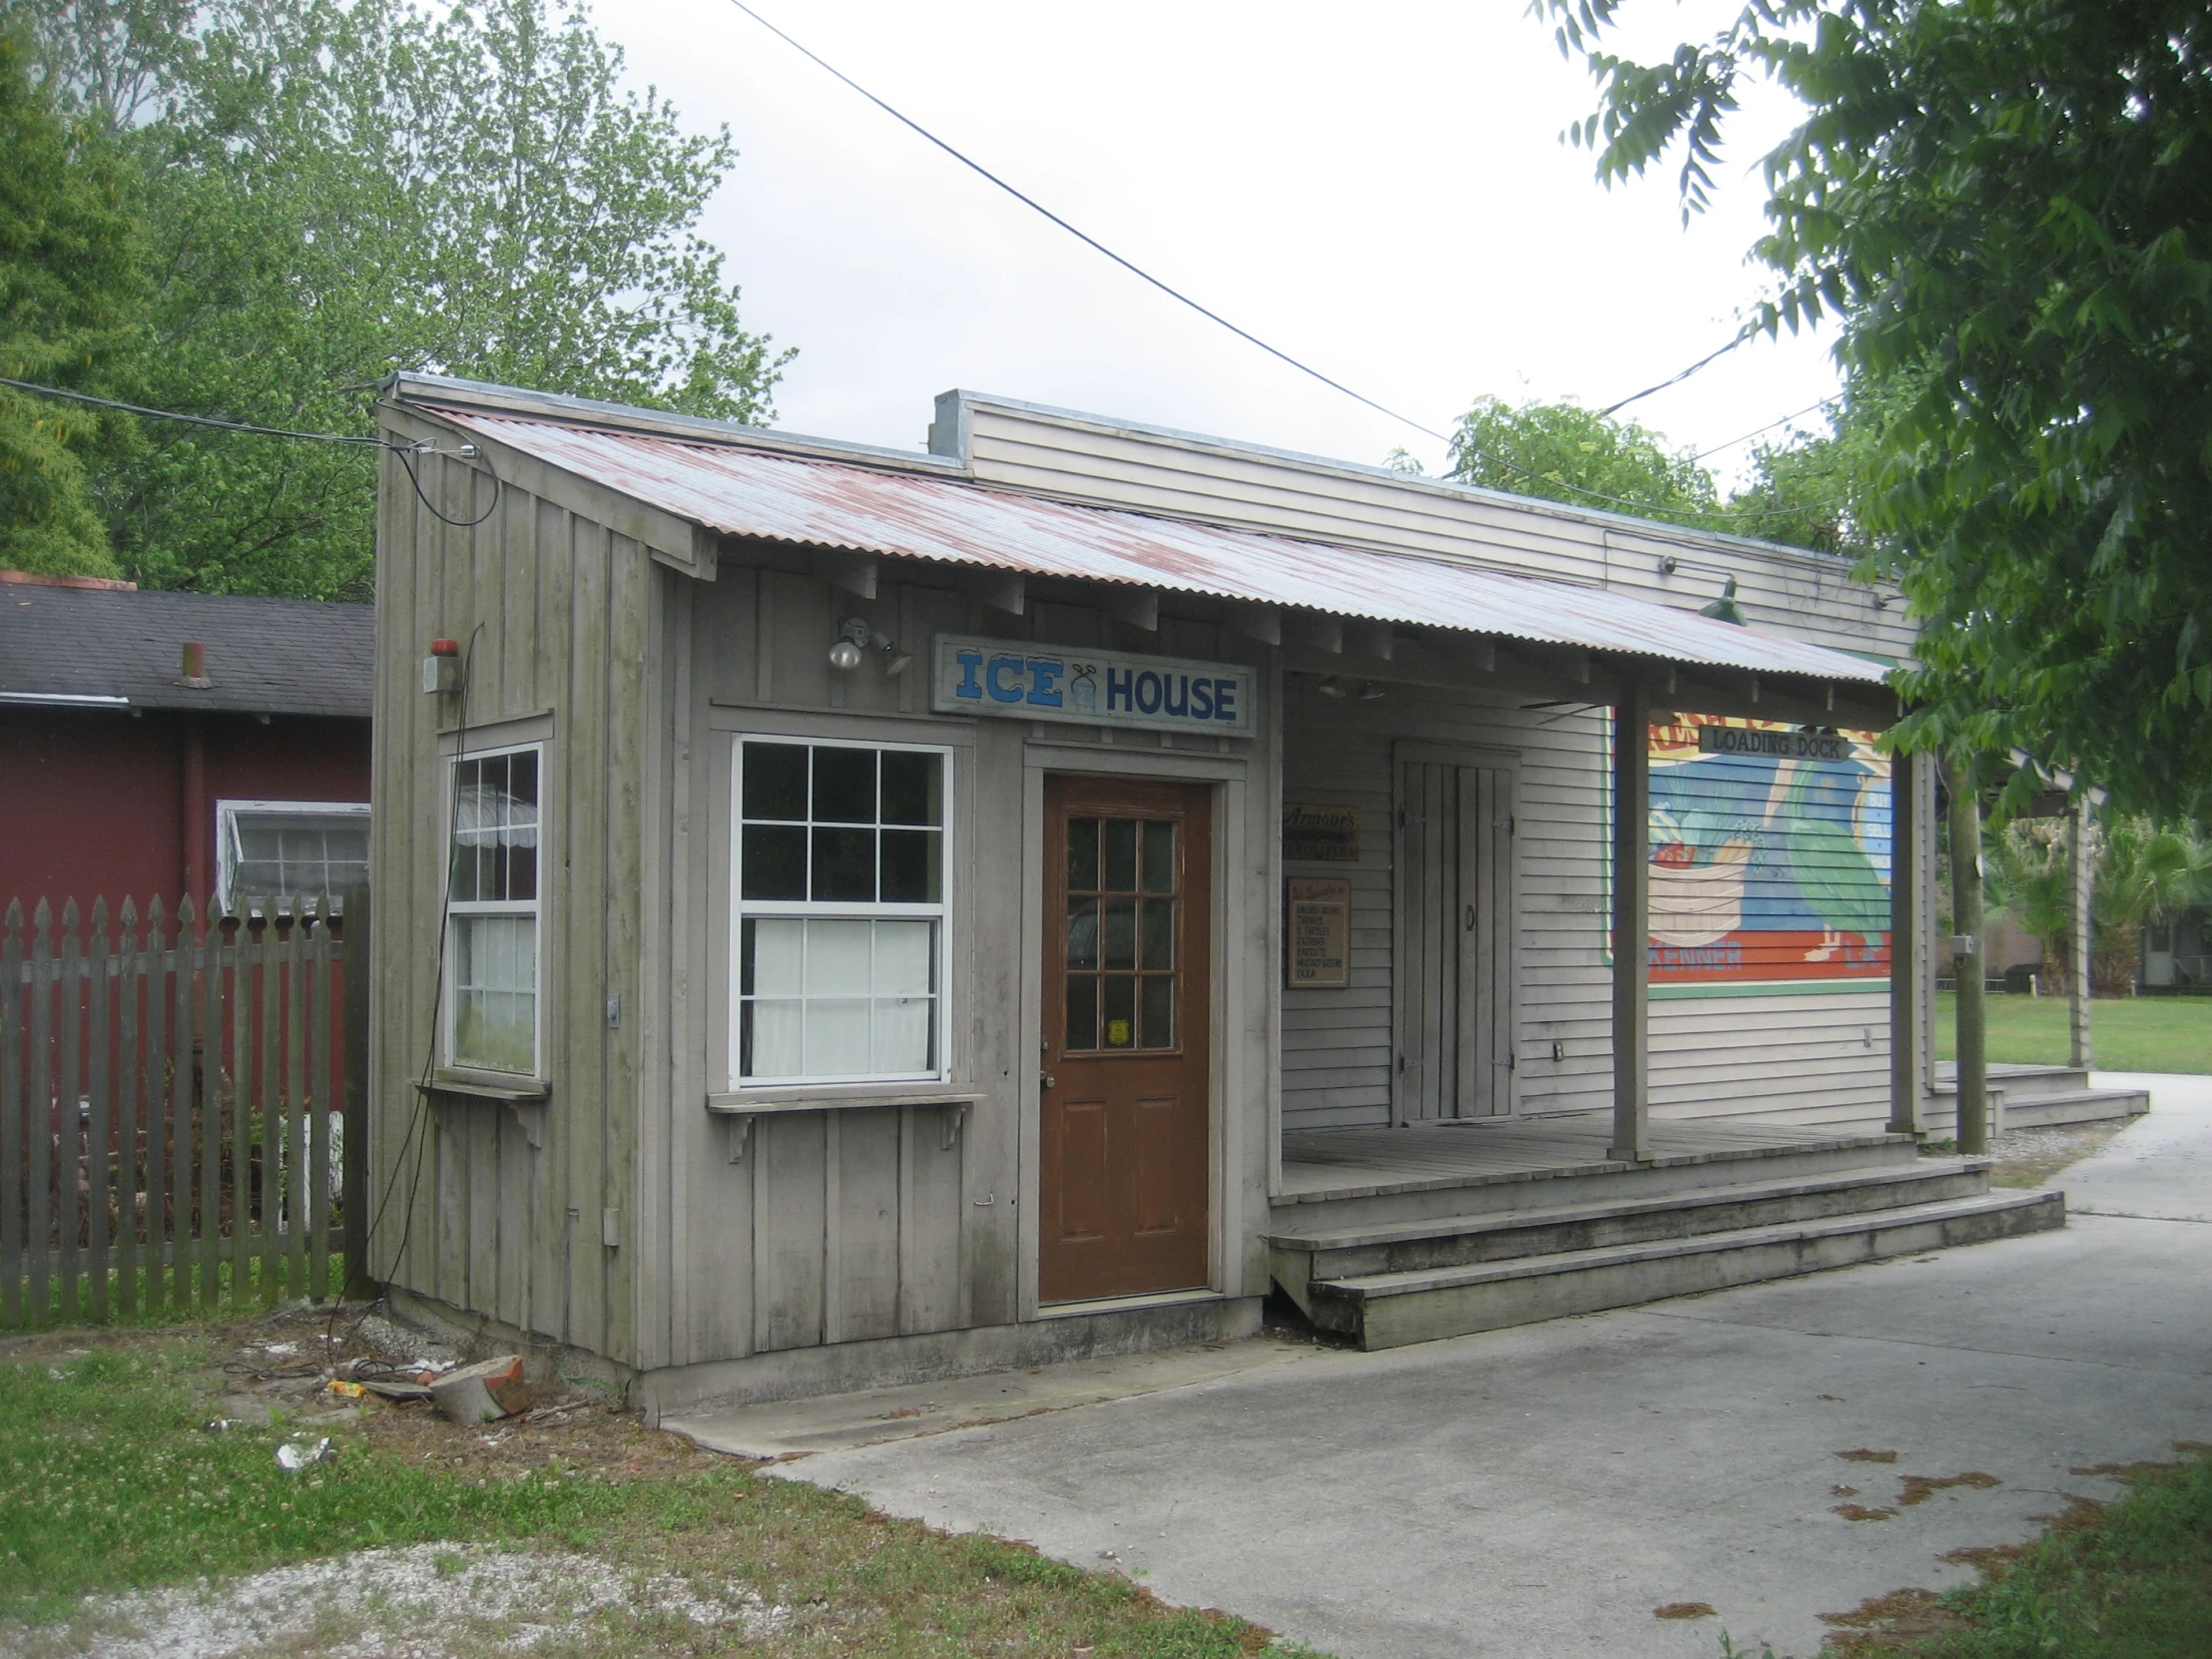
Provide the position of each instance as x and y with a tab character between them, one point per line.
1380	191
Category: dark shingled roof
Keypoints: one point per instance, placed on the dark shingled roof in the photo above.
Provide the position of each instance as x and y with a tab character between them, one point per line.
264	656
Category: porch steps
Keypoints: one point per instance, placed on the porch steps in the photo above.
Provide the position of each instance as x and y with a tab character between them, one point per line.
1409	1279
1391	1308
2033	1097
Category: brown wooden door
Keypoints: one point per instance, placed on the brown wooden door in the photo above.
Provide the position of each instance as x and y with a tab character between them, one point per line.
1127	1137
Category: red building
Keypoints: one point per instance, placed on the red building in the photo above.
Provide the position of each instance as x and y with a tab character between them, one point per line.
132	763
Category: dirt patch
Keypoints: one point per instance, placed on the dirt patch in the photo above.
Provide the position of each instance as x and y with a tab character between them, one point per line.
1987	1559
2030	1157
1863	1455
422	1602
1879	1623
1685	1610
1919	1488
1842	1492
1859	1512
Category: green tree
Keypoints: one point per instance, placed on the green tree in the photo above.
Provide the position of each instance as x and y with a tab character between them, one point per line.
69	278
336	191
2009	200
1564	452
2145	873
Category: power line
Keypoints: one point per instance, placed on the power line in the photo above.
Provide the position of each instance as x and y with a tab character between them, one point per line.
1756	430
403	450
1676	379
1091	241
1638	508
188	420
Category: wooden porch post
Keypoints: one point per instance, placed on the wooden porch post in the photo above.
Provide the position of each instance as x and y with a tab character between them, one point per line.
2081	876
1631	923
1969	956
1908	946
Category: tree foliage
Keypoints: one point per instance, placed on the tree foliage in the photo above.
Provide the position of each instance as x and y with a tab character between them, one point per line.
1564	452
68	294
2011	202
336	191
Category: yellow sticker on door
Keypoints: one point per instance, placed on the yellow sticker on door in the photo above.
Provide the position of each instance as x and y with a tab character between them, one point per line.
1117	1033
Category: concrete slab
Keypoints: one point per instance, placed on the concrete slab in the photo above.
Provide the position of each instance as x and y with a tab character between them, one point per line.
873	1416
1539	1491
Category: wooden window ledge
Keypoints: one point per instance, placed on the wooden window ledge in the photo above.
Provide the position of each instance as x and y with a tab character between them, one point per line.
739	1109
520	1091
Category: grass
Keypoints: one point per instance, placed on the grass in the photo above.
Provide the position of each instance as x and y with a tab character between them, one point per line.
2130	1033
2129	1580
110	1482
164	1297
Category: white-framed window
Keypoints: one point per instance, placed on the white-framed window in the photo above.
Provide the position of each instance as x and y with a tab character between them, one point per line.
277	851
839	940
492	933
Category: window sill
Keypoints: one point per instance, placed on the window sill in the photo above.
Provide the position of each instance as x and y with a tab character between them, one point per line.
514	1091
739	1110
858	1098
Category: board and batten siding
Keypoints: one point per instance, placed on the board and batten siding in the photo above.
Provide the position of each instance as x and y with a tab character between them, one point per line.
521	1214
1809	595
1819	1060
853	1223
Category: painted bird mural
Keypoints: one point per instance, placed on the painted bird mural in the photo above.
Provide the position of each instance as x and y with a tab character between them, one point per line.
1840	883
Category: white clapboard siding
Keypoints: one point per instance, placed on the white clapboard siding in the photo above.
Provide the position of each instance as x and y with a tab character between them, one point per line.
1084	459
1816	1059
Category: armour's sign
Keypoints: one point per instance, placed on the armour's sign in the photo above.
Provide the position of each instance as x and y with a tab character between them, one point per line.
1019	681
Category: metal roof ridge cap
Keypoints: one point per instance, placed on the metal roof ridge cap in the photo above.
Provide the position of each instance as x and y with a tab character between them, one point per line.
424	393
1450	487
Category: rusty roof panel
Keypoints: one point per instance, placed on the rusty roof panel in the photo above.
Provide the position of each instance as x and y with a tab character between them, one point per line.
813	503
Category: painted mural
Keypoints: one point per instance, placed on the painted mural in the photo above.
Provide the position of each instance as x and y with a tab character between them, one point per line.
1770	854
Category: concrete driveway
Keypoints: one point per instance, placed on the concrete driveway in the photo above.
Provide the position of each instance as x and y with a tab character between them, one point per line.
1540	1491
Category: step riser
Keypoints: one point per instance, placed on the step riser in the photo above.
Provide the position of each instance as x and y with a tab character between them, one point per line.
1597	1231
1456	1311
1492	1198
2043	1114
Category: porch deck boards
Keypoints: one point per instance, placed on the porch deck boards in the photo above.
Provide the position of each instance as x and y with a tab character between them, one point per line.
1347	1163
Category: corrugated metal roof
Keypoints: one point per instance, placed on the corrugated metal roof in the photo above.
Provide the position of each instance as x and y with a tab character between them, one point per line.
811	503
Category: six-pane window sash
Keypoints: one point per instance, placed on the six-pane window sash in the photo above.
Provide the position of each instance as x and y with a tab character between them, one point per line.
492	926
840	916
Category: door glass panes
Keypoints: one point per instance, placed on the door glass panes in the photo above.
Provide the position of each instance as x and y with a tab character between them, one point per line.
825	824
824	997
1124	880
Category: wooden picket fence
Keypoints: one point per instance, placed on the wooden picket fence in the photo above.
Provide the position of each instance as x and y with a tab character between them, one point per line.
177	1095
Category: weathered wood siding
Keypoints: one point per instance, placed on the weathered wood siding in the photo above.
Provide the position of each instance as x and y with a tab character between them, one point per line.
1814	1060
847	1224
509	1212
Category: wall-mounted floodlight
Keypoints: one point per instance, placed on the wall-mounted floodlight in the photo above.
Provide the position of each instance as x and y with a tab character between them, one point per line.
854	636
1725	607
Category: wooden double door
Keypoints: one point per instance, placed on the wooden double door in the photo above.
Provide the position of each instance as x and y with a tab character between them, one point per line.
1126	1170
1455	966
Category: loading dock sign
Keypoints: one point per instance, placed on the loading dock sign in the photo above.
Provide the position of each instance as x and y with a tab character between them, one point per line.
1019	681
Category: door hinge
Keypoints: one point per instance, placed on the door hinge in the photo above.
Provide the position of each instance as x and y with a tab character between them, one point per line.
1402	1063
1402	818
1512	1062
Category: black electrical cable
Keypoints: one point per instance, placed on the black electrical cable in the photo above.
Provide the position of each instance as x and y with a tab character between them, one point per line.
420	1114
1677	379
190	420
1756	430
403	450
1638	508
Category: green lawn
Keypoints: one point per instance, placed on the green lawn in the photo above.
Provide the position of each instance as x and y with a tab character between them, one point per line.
2127	1034
2132	1582
111	1482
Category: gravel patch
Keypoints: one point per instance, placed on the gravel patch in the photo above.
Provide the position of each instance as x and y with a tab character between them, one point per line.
417	1602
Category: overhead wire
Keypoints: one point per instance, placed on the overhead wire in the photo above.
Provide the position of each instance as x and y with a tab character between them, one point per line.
1638	508
1756	430
403	450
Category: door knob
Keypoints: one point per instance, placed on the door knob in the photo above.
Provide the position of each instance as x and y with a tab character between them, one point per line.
1471	918
1045	1080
